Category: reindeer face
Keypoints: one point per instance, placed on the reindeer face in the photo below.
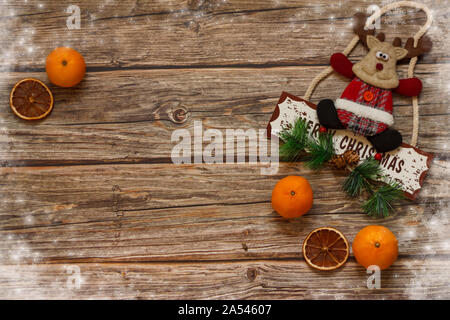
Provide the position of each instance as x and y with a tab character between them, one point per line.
378	67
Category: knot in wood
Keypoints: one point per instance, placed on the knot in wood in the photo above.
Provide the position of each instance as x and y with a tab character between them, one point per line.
179	115
252	273
194	26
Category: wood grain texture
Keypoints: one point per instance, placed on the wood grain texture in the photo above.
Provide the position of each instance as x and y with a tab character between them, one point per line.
221	280
151	213
126	116
204	33
93	188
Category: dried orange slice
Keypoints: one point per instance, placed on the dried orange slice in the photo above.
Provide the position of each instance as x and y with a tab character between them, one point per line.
30	99
325	249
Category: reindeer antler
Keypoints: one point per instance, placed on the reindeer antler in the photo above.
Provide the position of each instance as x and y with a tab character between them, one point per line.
397	42
423	46
359	22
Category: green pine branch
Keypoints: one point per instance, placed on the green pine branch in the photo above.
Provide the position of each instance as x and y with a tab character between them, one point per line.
360	178
382	198
295	141
380	204
320	151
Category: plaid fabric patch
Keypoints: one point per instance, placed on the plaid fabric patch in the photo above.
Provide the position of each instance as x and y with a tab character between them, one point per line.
360	125
380	96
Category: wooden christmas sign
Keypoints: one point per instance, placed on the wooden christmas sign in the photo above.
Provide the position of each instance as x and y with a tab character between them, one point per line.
406	165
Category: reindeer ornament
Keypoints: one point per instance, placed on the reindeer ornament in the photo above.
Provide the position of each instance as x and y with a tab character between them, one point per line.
365	106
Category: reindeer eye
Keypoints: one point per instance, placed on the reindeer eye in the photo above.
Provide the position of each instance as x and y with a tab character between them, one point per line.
381	55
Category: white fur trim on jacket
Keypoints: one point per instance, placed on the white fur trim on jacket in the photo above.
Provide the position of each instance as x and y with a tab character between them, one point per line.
365	111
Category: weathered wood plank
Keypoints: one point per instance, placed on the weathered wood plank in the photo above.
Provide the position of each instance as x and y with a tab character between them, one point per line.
36	190
146	95
126	116
186	33
416	278
153	213
210	233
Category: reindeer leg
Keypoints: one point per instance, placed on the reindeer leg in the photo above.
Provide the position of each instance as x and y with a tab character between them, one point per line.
388	140
327	114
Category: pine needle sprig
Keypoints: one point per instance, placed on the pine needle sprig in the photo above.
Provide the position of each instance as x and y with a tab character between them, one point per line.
360	177
380	204
320	151
295	141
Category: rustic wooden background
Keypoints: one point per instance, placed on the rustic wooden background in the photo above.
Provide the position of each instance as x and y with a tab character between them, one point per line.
92	206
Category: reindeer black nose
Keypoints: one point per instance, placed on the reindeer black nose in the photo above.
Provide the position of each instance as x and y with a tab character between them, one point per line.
379	66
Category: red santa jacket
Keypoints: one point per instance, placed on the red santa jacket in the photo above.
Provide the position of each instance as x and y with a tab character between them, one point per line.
365	109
